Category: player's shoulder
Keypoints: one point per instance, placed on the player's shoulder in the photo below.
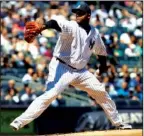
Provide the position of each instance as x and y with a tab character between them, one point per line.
73	23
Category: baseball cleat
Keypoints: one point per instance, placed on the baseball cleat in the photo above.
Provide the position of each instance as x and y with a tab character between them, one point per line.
15	125
124	126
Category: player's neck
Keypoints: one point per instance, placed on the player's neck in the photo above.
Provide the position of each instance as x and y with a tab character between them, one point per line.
85	26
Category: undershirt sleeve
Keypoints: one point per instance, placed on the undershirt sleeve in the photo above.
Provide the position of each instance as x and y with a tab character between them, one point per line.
53	24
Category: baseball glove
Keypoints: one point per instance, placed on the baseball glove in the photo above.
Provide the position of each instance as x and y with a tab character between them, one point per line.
32	29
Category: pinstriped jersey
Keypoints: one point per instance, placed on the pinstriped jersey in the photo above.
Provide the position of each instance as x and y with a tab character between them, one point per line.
75	46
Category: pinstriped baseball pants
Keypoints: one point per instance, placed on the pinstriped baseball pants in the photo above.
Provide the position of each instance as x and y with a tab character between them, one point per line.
60	76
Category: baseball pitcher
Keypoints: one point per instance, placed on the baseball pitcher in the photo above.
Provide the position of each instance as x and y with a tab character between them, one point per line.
74	47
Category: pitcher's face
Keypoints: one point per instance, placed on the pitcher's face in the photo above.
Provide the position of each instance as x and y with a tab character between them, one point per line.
82	16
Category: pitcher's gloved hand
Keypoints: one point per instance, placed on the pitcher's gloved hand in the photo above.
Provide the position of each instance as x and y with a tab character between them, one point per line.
32	29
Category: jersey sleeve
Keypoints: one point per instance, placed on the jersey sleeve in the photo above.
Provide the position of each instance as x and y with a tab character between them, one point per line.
65	25
100	48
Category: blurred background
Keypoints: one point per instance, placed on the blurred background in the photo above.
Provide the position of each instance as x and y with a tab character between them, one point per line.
24	67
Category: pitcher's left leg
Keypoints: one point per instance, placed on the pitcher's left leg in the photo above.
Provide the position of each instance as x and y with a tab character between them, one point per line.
108	105
89	83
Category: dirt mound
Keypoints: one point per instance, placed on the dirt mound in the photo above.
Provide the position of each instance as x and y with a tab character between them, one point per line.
133	132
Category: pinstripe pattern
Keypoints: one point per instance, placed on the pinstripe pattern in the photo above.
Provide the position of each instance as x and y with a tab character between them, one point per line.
59	78
89	83
74	47
57	81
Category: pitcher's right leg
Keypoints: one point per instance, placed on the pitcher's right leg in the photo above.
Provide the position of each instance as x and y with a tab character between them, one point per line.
35	109
59	78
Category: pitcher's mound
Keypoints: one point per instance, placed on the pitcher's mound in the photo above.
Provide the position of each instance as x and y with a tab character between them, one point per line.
133	132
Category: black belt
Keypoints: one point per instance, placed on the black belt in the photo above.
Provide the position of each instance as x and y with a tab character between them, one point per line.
65	63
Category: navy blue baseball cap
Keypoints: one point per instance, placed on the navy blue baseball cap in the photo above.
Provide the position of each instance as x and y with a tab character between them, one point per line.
82	7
